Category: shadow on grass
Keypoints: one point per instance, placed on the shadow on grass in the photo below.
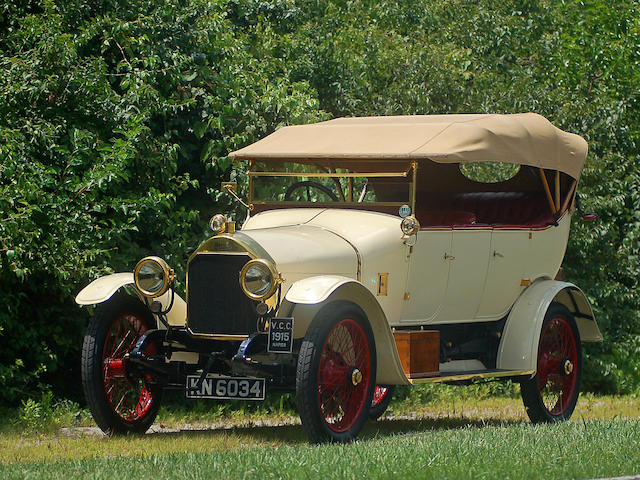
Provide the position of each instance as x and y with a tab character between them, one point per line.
295	434
281	434
389	427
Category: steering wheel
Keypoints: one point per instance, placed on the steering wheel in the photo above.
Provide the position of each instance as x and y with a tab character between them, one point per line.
308	185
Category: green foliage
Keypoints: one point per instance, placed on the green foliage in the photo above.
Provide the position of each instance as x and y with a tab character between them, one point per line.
116	119
46	415
489	172
35	415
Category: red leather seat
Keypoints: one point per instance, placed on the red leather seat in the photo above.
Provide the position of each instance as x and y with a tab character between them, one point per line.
445	218
522	209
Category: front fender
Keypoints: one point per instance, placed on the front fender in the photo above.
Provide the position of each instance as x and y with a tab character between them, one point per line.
306	297
103	288
316	289
519	344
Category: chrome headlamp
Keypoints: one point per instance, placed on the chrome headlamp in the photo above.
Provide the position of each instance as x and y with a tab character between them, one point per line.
259	279
153	277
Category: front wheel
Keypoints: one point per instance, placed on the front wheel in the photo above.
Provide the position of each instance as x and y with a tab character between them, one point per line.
336	373
552	393
119	403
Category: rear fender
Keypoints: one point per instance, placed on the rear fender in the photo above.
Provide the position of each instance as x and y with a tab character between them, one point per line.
103	288
306	297
519	344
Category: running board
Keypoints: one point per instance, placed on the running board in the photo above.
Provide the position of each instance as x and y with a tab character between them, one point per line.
460	376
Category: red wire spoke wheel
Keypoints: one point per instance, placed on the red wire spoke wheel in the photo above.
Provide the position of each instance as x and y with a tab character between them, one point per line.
118	401
336	373
343	375
129	397
557	357
551	395
382	396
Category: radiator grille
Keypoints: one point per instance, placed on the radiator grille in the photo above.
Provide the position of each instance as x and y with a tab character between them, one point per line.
215	301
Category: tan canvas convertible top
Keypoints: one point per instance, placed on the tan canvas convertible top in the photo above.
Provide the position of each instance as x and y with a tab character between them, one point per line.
524	138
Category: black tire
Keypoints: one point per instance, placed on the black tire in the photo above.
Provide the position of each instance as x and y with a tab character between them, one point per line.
382	396
336	373
552	393
107	388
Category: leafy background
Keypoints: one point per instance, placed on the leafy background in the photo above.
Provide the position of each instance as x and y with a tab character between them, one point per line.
116	118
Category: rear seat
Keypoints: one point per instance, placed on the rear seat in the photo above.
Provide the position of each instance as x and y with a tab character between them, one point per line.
501	209
446	218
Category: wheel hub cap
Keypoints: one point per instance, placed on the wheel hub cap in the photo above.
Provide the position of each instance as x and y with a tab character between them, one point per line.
567	367
356	377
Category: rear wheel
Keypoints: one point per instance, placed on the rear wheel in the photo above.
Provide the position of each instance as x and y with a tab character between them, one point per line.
336	374
552	393
118	402
381	399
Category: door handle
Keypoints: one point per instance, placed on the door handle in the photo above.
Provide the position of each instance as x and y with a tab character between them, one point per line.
497	254
449	257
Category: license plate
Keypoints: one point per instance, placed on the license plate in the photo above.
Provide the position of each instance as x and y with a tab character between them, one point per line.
226	388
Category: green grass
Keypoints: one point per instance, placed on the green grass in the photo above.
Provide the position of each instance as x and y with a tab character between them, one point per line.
444	432
392	449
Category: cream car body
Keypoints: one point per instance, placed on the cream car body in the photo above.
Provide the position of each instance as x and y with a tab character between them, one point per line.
476	264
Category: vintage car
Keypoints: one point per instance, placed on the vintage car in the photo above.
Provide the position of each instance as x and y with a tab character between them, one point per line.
369	258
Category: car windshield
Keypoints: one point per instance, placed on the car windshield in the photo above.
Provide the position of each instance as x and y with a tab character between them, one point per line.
353	184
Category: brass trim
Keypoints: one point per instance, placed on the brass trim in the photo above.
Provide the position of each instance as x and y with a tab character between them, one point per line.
276	280
243	253
250	199
383	284
240	240
469	376
229	187
414	184
328	175
333	204
167	273
525	282
216	336
334	175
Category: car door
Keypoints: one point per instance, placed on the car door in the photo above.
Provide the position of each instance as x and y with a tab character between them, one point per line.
469	259
427	276
508	257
